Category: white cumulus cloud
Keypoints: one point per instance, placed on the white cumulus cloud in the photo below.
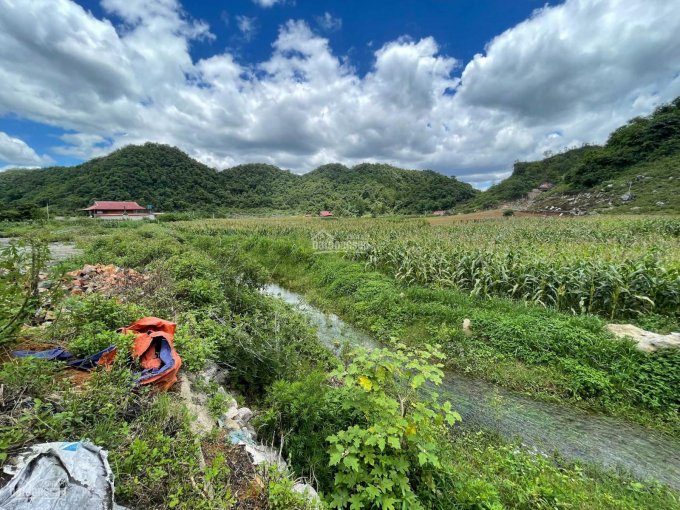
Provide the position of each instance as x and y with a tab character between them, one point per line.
14	152
247	25
568	75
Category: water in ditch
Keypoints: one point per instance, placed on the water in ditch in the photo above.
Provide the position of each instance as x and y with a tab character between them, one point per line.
545	427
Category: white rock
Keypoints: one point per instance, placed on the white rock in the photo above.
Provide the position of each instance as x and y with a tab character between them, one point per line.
227	423
251	431
231	412
646	341
203	422
214	373
467	327
243	415
265	455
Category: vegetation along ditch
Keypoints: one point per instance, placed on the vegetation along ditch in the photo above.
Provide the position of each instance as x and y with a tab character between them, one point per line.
371	428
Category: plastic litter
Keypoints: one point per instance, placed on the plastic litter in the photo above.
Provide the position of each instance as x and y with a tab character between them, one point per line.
90	362
59	476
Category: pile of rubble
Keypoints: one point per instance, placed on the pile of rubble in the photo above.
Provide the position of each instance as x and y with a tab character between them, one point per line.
108	280
234	422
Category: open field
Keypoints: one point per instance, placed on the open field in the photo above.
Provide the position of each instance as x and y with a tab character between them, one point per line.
490	214
538	294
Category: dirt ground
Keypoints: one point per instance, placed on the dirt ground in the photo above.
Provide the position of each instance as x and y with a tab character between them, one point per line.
492	214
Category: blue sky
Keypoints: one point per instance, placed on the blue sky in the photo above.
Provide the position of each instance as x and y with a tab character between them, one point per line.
461	27
460	86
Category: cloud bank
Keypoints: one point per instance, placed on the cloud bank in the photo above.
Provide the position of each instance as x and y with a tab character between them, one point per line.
16	152
568	75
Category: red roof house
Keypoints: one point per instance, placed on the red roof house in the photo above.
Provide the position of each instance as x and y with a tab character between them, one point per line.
325	214
116	210
439	213
545	186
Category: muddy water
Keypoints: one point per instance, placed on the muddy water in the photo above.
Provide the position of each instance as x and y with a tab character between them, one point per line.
546	427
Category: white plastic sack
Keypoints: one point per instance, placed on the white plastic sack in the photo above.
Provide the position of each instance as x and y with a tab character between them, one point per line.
59	476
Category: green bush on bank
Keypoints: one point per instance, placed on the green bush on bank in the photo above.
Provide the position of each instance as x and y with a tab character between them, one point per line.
475	470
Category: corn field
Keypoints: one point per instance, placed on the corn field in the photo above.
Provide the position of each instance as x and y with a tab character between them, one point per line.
613	267
613	289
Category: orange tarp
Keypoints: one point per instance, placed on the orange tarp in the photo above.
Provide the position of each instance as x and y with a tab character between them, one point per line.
150	347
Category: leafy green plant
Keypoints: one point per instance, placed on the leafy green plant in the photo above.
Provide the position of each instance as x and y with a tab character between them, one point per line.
20	265
91	340
281	495
305	412
30	377
377	461
94	313
196	340
218	404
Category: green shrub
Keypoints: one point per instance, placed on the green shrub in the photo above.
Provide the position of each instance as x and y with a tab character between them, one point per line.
190	265
377	462
281	495
133	247
586	381
30	377
271	342
196	340
20	264
95	313
306	412
199	292
91	340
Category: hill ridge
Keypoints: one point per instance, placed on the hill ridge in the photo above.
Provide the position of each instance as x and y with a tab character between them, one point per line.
642	156
169	179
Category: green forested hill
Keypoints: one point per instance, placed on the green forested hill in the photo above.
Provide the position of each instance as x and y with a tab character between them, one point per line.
643	155
171	181
376	188
642	140
528	175
151	174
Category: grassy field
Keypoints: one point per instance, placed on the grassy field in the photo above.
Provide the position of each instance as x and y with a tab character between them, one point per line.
410	284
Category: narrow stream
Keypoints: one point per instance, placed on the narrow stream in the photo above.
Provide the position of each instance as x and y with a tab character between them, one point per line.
545	427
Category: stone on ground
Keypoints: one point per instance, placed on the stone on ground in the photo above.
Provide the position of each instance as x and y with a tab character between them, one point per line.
646	341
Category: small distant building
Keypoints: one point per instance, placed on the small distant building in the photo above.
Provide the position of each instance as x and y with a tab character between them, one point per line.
325	214
110	210
545	186
439	213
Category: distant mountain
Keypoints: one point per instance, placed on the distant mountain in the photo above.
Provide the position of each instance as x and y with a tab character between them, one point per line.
168	179
529	175
643	156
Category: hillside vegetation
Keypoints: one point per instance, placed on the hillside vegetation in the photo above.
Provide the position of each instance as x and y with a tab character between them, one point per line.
527	175
171	181
643	156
